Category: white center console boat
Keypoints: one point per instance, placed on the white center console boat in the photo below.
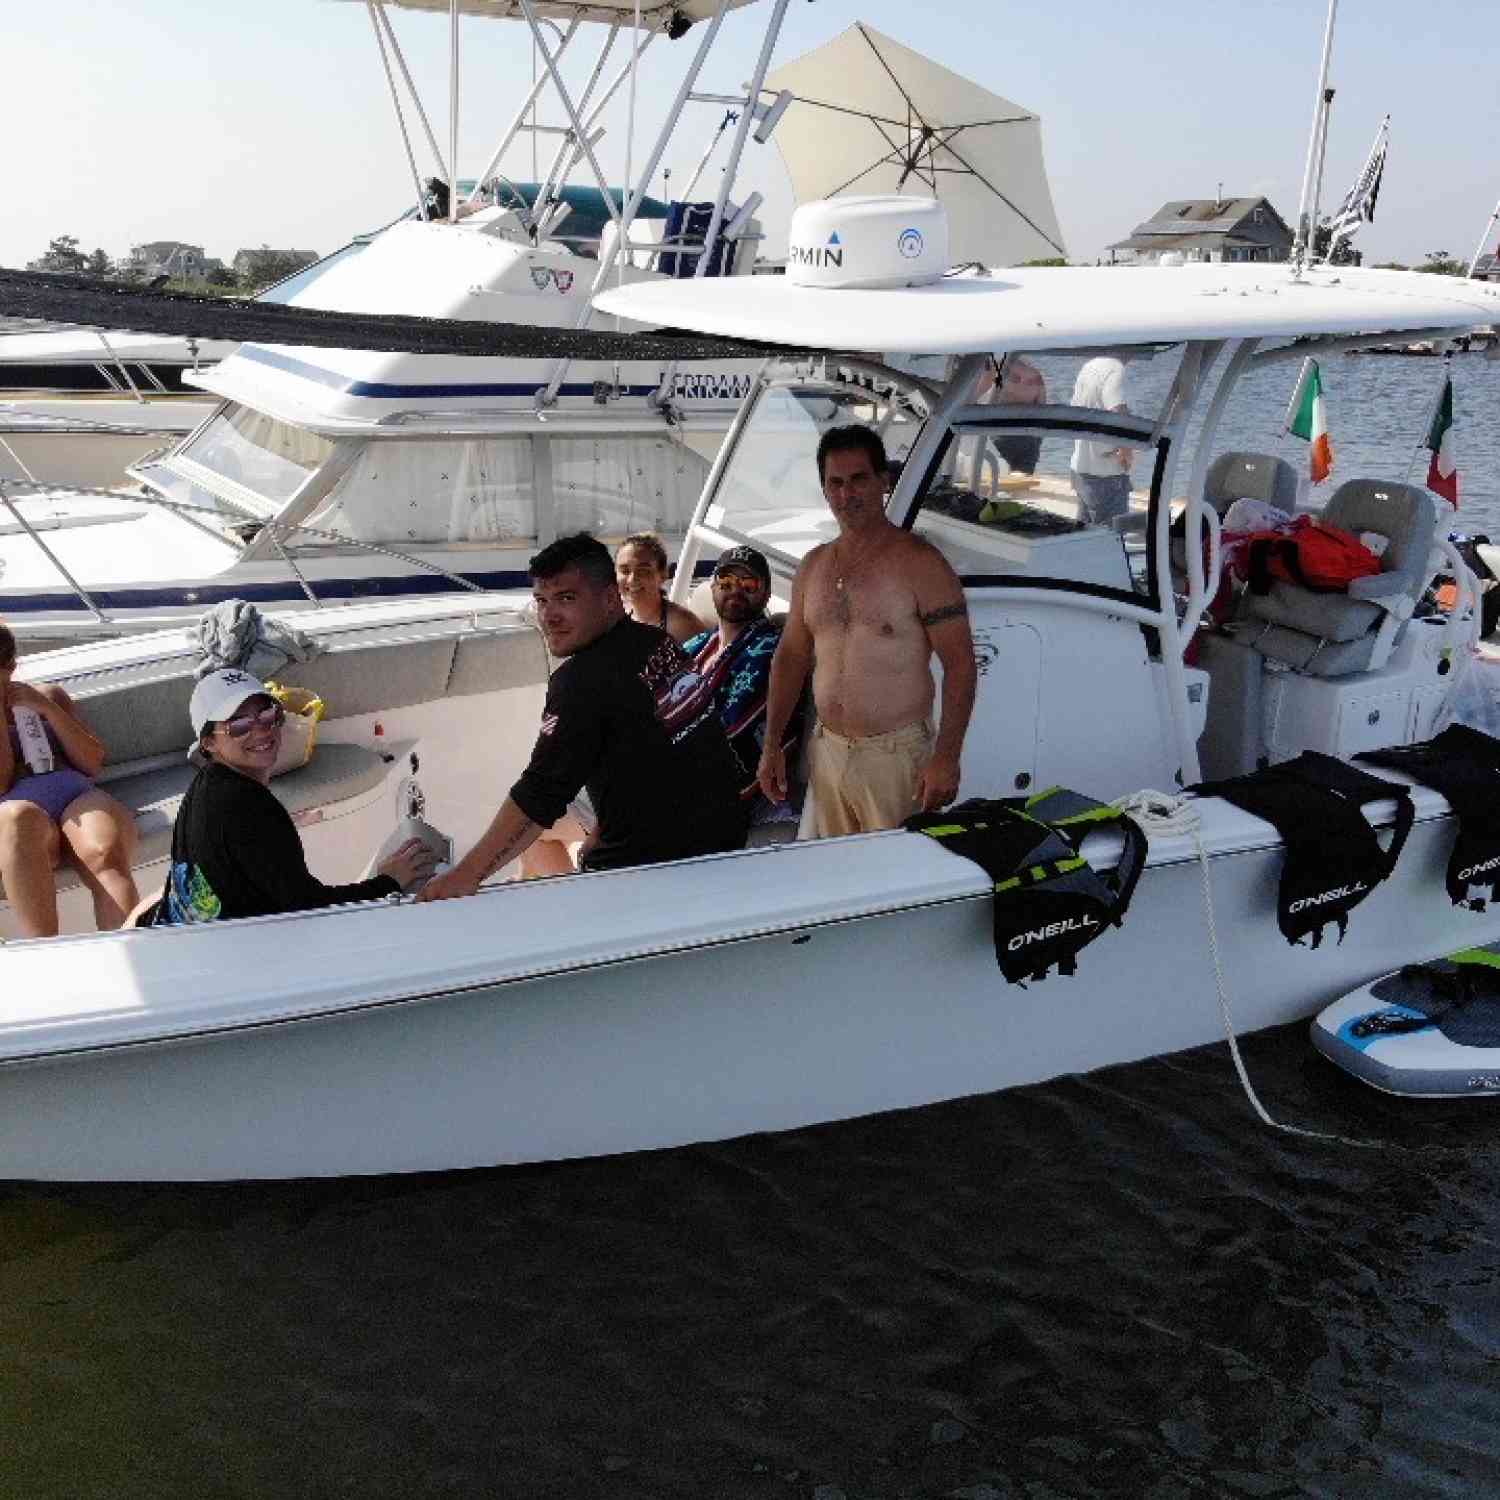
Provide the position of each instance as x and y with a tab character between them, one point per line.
803	982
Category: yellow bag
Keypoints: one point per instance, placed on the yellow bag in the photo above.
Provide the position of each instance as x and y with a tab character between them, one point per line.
299	735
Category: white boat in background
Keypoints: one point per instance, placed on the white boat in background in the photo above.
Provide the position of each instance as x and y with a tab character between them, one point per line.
453	469
796	983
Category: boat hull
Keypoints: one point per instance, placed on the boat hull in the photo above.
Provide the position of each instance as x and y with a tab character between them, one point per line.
774	989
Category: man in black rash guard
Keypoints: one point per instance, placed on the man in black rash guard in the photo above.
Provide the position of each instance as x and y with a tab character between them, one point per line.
626	716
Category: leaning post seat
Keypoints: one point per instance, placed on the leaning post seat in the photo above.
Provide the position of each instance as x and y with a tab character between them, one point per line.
1250	476
1242	476
1335	634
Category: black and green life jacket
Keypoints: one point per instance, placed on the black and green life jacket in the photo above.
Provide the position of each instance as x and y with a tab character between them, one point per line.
1464	765
1049	902
1333	857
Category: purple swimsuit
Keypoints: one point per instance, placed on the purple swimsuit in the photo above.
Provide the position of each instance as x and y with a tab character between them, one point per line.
52	791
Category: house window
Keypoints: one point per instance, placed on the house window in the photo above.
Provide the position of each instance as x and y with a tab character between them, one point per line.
1257	216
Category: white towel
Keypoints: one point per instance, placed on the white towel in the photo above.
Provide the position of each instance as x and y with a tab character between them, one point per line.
36	748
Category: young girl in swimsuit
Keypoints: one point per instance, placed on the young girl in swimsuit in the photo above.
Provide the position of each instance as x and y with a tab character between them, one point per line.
47	816
641	568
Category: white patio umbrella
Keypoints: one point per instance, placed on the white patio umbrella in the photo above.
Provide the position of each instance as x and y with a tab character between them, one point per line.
871	116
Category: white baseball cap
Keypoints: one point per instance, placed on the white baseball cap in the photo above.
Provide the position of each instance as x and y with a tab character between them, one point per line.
218	695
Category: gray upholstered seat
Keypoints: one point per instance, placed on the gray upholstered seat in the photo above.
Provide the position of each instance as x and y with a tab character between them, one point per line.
1250	476
334	774
1330	635
1243	476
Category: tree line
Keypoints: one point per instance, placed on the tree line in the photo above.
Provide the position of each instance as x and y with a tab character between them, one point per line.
64	253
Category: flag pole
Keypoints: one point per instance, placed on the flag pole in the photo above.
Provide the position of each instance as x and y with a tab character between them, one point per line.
1479	248
1432	412
1377	152
1304	230
1317	200
1296	401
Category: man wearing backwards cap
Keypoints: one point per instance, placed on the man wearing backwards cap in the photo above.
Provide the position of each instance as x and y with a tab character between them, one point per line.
235	850
735	662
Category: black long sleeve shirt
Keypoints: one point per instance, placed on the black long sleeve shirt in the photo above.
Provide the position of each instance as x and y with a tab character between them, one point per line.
628	717
237	853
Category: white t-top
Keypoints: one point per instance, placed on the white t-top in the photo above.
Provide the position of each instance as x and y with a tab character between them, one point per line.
1100	383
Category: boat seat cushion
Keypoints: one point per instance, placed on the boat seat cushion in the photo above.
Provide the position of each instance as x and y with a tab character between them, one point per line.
1330	617
375	679
335	774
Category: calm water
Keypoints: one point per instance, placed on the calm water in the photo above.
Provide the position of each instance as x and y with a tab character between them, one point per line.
1378	410
1114	1285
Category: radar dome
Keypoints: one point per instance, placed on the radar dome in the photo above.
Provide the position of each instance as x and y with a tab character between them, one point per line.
868	242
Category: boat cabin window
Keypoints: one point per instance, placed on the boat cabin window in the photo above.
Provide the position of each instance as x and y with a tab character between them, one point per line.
770	492
616	486
454	490
273	459
487	490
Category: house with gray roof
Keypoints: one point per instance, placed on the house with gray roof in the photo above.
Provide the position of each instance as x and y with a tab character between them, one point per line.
1487	267
1224	229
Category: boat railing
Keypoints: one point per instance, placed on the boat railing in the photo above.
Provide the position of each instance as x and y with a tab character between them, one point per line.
244	530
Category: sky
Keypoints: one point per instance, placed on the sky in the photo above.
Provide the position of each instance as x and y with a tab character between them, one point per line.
231	124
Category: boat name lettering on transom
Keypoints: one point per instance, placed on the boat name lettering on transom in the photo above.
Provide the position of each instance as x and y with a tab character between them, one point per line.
1336	894
1051	930
1479	869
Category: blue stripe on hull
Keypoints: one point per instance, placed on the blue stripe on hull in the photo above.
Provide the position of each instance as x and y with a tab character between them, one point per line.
283	593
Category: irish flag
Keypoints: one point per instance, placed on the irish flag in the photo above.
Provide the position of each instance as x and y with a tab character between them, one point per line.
1310	422
1442	472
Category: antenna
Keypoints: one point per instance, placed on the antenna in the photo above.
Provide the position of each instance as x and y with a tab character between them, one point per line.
1304	207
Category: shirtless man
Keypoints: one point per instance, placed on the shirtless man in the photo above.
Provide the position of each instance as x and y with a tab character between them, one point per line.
867	612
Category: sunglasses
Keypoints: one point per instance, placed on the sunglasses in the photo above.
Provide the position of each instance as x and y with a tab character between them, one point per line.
741	581
242	724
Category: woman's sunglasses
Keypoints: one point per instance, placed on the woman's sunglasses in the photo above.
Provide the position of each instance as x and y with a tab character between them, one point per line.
265	718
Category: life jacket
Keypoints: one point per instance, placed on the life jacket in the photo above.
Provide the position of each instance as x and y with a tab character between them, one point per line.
1049	902
1333	858
1464	765
1323	558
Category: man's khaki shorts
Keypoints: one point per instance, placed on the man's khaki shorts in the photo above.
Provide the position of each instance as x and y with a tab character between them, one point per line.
864	785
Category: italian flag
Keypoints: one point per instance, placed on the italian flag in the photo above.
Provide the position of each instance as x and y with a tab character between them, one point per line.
1311	420
1442	472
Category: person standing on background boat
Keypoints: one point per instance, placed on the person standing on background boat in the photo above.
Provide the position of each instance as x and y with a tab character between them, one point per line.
868	611
641	570
735	663
625	716
50	809
1101	470
1016	382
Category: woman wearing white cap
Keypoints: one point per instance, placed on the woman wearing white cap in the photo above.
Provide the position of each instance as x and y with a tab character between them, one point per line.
235	850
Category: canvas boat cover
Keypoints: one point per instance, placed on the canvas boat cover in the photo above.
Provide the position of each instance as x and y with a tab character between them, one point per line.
112	304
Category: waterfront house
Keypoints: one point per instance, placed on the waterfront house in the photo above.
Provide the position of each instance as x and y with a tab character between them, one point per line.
1208	229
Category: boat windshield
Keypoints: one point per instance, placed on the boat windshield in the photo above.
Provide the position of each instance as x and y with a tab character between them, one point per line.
485	490
256	453
770	491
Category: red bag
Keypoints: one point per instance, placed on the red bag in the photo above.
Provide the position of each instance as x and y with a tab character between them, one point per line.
1323	558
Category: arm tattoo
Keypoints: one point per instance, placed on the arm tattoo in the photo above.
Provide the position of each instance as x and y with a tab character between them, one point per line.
953	611
506	852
